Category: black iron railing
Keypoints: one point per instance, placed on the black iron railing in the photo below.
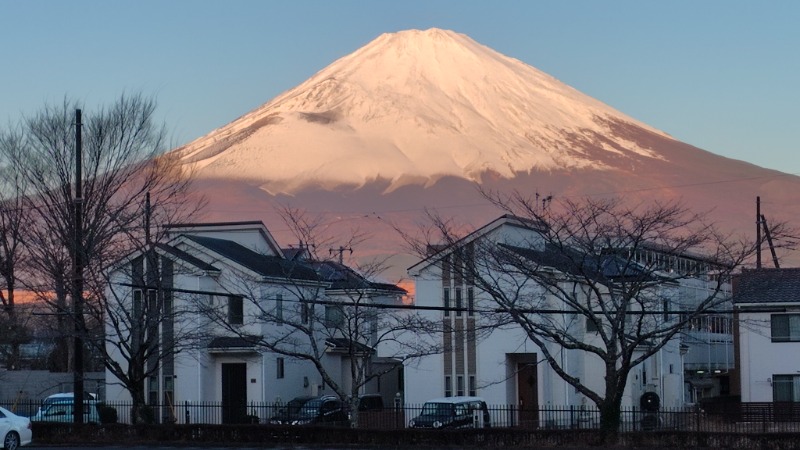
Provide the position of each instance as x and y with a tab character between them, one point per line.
731	417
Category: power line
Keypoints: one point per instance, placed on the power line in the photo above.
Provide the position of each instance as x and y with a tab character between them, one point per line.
456	310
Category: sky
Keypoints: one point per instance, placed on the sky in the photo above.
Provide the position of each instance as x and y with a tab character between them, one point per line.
721	75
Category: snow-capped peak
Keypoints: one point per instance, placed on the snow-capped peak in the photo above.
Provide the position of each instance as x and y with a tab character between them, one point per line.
411	107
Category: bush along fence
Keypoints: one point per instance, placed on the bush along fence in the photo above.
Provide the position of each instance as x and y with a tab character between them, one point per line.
732	418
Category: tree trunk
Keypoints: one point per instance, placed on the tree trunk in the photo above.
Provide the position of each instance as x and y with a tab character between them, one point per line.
140	411
610	420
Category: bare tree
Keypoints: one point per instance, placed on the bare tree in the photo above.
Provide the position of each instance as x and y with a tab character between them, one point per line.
14	217
586	262
123	162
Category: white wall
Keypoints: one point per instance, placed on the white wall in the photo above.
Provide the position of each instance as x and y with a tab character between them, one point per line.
761	358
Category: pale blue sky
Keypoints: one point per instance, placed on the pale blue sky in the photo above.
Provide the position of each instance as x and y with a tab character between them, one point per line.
718	74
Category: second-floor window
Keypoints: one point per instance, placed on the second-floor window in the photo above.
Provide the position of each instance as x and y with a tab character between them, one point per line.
446	295
280	368
785	327
235	310
334	316
592	325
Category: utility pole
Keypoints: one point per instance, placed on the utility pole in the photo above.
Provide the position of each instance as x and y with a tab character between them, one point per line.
77	280
758	232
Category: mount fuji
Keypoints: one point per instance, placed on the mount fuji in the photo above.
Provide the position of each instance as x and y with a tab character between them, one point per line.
415	119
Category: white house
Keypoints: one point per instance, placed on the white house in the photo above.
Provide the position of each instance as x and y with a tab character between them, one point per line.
225	289
503	365
767	303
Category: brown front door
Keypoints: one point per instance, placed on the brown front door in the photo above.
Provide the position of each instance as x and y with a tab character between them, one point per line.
528	401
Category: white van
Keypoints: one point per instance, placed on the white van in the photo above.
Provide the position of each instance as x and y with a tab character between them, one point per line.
58	408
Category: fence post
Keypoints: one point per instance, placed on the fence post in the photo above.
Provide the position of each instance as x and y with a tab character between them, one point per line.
572	416
697	412
187	411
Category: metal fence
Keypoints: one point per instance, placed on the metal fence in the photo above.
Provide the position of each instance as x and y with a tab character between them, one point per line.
734	417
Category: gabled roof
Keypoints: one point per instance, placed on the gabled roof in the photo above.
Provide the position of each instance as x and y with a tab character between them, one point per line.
264	265
200	229
768	286
186	257
504	220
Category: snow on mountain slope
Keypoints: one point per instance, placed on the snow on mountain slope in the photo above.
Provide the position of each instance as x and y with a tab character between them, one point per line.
412	107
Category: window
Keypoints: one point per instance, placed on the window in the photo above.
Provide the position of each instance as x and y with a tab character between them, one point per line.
470	302
446	302
473	391
459	302
152	389
786	388
169	398
279	309
460	385
279	368
666	310
785	327
448	386
235	310
334	316
592	325
305	312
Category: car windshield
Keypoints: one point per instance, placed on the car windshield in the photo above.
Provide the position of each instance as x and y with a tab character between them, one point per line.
294	405
311	408
437	409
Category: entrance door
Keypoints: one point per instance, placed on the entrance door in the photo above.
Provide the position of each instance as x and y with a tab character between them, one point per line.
527	390
234	393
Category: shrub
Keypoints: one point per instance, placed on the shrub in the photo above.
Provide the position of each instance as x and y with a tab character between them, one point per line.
107	414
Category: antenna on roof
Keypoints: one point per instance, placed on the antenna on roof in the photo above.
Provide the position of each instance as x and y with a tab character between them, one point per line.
341	251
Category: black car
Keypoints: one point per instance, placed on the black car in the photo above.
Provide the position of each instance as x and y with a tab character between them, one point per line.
453	412
325	411
289	414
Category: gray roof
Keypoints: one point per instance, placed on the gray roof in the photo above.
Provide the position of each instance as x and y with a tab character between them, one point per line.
186	257
265	265
603	268
768	286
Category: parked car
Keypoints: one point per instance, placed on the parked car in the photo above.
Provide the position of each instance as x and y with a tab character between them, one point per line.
61	410
453	412
311	410
370	402
326	411
62	396
288	414
15	430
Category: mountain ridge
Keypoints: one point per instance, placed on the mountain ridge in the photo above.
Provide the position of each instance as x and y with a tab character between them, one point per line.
425	104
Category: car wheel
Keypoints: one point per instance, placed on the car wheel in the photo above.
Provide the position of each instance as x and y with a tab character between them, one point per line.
11	442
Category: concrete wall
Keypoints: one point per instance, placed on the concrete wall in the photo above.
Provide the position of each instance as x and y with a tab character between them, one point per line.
35	385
